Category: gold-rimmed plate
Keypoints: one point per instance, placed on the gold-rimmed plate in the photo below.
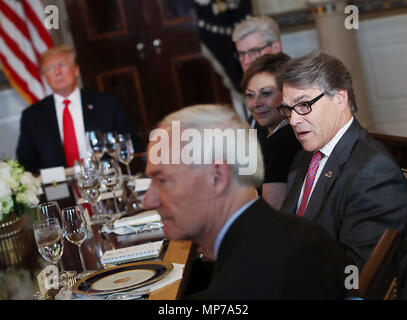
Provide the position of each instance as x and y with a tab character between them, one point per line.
122	278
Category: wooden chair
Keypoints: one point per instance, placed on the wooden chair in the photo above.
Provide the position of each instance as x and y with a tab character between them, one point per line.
378	279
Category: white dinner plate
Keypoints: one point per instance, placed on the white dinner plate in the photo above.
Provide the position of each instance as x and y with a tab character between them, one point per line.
122	278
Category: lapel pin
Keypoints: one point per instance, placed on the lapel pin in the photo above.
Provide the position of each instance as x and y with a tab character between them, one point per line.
90	107
328	174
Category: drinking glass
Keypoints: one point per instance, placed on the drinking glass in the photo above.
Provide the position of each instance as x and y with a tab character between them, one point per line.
50	210
96	142
49	239
125	151
76	232
110	143
110	176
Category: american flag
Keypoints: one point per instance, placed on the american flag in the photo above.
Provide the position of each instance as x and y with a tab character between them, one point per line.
23	37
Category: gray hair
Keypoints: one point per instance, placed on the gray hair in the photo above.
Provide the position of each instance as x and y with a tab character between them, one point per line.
211	116
267	27
318	69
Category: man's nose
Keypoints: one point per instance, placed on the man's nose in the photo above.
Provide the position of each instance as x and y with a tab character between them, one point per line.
295	118
151	199
57	69
246	62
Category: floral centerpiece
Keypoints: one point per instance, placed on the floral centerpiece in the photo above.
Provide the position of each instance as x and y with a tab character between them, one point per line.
19	190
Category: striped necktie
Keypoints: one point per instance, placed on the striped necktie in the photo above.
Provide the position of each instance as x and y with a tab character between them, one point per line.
311	173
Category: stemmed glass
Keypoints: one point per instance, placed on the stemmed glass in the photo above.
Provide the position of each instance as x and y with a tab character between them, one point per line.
110	176
50	210
125	151
96	142
49	239
110	143
76	232
89	185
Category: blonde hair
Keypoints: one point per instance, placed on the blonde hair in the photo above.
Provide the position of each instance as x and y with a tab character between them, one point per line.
61	49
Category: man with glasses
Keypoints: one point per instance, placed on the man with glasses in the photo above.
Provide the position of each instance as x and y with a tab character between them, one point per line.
343	179
255	37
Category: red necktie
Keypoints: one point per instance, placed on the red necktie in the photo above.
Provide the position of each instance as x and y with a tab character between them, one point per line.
70	144
312	171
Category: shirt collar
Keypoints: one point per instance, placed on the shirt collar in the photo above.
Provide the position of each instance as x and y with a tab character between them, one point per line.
227	225
59	99
329	147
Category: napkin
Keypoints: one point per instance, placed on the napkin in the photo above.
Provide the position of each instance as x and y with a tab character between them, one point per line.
174	275
141	184
138	219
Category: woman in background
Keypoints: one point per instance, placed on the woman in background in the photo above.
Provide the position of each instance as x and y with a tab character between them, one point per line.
280	146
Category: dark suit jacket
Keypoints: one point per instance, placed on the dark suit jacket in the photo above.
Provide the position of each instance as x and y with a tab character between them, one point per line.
359	193
39	145
269	255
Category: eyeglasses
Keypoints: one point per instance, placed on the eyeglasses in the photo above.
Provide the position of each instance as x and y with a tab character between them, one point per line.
301	108
253	53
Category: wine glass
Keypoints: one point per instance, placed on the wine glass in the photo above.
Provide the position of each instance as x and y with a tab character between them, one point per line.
89	186
125	151
110	143
96	142
110	176
49	239
50	210
76	232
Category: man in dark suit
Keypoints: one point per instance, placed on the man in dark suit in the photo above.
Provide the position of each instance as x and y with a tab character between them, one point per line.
52	131
343	179
259	252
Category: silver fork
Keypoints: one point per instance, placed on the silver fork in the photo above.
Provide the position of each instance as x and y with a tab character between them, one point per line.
130	295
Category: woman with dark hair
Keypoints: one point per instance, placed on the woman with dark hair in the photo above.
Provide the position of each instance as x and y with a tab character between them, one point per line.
263	96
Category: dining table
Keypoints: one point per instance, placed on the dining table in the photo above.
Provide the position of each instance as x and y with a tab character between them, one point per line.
96	244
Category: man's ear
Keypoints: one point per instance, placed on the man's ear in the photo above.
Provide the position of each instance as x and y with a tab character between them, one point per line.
341	99
221	177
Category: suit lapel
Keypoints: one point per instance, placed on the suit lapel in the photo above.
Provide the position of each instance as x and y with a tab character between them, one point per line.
327	178
243	225
49	117
88	111
332	169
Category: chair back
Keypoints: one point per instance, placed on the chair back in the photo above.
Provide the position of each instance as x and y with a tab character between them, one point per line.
378	279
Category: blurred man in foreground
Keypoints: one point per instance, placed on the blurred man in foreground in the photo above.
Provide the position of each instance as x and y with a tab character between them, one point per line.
208	195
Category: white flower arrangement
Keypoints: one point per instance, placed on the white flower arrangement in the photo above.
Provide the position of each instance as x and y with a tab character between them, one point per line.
19	189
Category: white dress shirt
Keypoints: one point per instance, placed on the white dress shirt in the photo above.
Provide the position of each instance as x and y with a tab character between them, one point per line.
75	108
326	152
